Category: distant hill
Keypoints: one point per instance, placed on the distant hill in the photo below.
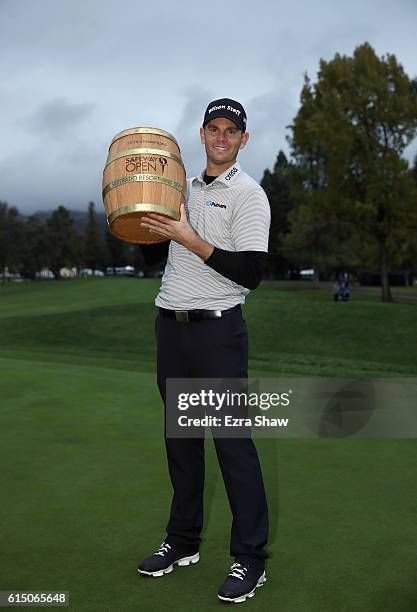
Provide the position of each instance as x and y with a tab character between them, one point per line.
79	217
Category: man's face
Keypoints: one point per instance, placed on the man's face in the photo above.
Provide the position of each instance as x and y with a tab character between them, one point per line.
222	140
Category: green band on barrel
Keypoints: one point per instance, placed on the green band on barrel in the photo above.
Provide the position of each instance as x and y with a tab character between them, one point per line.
143	178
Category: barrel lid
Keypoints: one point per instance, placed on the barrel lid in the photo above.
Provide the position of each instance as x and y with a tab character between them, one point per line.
144	130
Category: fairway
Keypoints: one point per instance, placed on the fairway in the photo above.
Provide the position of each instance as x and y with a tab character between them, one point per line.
85	489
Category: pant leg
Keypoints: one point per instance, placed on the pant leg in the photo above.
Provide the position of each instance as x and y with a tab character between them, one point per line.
185	456
242	476
223	353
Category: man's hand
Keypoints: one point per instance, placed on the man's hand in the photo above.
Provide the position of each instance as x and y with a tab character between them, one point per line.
179	231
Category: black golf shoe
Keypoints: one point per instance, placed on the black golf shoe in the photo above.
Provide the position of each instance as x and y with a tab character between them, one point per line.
241	583
163	560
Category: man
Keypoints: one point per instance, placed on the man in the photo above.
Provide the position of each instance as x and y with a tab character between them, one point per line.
217	253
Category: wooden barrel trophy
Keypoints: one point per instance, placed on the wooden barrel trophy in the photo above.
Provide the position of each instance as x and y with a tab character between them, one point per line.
143	173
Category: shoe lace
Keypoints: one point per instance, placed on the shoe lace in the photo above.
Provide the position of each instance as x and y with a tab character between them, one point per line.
238	571
164	548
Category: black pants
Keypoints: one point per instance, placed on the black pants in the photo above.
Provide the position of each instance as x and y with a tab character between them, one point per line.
212	349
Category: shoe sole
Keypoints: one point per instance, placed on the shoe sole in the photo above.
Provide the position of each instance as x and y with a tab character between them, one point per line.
245	596
181	562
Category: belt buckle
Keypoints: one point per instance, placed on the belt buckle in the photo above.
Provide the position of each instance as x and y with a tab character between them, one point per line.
182	316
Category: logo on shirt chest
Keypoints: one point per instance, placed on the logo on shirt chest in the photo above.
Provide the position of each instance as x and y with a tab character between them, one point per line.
214	204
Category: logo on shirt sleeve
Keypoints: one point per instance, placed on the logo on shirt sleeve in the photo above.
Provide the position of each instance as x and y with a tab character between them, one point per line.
230	174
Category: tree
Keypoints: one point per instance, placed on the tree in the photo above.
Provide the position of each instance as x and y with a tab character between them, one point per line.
33	255
320	242
10	234
115	251
93	244
407	247
278	185
63	242
350	134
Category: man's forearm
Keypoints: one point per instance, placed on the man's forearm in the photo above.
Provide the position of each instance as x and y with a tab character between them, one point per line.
200	247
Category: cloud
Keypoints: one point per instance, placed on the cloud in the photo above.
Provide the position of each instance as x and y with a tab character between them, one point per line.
57	117
74	74
192	151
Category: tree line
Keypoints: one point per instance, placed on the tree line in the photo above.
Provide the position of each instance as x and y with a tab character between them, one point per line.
29	245
345	200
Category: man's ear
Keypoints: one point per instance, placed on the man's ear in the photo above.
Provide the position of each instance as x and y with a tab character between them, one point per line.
202	139
245	138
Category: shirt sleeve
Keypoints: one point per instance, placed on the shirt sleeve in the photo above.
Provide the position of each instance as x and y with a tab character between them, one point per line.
251	220
244	268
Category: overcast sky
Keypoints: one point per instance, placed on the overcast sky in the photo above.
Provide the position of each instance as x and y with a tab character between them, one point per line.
76	72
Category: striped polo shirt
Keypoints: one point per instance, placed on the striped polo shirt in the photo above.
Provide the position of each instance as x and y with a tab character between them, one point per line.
231	213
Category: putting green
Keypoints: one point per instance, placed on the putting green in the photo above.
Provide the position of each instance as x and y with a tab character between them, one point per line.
85	490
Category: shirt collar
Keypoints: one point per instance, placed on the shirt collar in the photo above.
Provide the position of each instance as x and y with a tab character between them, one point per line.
227	178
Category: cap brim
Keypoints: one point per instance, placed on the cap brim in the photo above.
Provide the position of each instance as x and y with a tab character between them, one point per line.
221	115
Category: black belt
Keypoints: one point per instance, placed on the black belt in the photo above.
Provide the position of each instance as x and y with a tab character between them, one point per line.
185	316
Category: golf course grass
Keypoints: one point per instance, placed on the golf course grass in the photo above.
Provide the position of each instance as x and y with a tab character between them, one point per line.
85	489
